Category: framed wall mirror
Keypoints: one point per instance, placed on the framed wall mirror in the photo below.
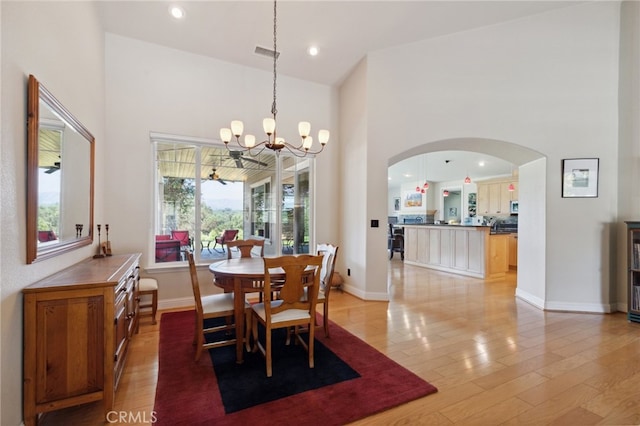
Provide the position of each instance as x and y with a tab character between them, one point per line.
60	162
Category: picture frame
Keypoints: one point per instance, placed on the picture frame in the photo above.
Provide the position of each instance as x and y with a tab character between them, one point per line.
580	177
412	200
396	204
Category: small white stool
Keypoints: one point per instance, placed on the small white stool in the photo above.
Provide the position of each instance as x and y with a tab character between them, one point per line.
147	286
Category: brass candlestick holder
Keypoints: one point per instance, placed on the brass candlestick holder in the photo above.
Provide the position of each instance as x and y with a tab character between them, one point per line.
107	244
99	254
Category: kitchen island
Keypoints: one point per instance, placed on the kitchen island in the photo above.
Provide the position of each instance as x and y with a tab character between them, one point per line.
460	249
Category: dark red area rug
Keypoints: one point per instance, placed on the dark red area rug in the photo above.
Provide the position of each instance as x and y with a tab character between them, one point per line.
188	392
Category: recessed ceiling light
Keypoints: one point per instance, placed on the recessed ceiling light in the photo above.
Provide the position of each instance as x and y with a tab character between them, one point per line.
481	163
313	51
177	12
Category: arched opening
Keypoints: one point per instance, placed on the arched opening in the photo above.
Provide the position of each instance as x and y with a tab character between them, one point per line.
531	170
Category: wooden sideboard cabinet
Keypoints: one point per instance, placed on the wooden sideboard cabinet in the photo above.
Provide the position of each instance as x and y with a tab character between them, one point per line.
77	326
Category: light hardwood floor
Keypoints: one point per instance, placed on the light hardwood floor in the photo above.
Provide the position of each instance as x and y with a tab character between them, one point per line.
495	360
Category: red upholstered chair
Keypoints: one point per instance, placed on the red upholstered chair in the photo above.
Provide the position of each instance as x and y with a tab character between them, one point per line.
45	236
183	237
167	251
228	235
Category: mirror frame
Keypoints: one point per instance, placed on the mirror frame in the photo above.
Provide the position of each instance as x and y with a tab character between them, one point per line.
36	92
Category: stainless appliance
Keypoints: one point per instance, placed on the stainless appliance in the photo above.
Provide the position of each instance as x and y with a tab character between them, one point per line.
513	207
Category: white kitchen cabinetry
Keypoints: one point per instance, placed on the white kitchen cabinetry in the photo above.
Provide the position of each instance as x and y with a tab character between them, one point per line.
494	198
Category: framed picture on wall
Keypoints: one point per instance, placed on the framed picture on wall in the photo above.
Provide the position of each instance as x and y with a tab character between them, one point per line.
412	199
396	204
580	177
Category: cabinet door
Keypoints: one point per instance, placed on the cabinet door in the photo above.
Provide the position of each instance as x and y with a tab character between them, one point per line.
494	199
505	198
70	345
483	199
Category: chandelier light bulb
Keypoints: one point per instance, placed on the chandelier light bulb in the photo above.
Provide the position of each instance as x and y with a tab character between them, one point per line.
445	193
417	189
308	141
237	127
425	186
467	180
269	126
304	128
225	134
511	187
323	137
250	141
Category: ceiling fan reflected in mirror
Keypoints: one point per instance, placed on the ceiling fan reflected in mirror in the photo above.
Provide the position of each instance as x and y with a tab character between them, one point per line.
215	176
54	168
239	157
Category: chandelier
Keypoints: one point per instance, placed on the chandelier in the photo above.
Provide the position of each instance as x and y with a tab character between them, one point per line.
273	141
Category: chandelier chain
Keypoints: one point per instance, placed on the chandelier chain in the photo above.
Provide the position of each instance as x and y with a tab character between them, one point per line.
274	110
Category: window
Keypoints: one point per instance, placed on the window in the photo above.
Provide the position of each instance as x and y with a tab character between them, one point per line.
203	189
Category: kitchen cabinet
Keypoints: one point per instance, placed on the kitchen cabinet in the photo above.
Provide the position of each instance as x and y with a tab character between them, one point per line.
497	256
494	198
77	327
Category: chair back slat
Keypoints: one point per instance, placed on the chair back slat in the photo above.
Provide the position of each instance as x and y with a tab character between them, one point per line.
245	247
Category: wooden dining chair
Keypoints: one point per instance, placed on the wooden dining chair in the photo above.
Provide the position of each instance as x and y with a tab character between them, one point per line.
329	253
214	306
290	310
246	248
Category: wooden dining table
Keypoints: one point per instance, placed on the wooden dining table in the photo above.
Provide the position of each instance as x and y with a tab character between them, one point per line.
241	276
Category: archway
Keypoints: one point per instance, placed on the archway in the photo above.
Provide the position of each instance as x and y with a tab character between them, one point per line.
531	286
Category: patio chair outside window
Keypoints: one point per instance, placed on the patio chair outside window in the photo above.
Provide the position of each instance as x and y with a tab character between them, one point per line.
228	235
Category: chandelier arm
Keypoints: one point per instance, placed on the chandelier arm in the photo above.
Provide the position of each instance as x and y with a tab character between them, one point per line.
296	152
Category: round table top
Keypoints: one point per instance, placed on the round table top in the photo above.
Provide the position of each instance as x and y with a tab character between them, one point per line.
247	267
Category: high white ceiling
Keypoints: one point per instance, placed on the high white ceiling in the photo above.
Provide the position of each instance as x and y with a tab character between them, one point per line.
344	31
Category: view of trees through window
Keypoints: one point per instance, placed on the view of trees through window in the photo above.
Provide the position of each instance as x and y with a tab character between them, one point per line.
204	190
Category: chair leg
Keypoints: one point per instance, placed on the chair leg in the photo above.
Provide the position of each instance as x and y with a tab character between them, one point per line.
254	328
154	307
325	320
268	352
310	344
248	326
199	343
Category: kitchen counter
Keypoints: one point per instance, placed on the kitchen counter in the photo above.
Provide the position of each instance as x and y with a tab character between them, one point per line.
461	249
459	225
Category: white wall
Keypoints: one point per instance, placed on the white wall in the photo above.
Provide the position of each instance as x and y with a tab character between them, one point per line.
546	82
61	44
629	152
353	156
151	88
